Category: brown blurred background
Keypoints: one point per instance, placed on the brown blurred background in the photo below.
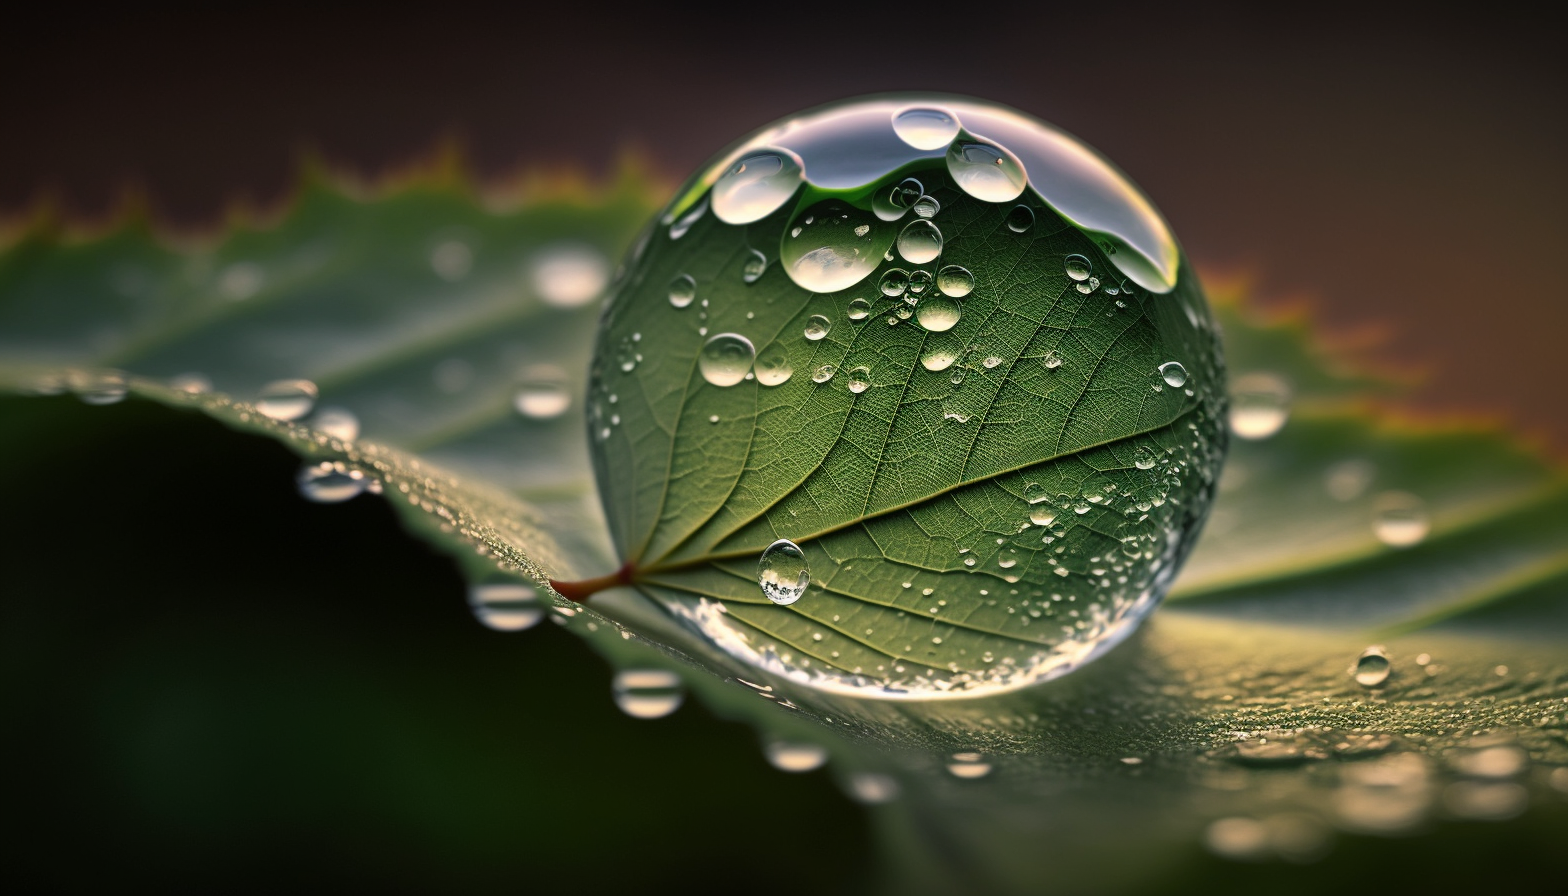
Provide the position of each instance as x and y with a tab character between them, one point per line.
1397	171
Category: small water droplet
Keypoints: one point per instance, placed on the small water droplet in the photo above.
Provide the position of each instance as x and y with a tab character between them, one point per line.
968	766
986	171
1259	405
543	393
286	399
823	374
1372	668
103	387
927	207
330	482
682	290
859	379
1077	267
859	309
1400	519
920	242
1173	374
1052	360
833	246
773	367
756	264
919	282
647	693
506	606
569	275
955	281
339	423
817	326
925	128
782	572
1090	285
891	204
871	789
1042	515
1020	219
792	756
894	282
938	359
939	314
726	358
756	186
1144	458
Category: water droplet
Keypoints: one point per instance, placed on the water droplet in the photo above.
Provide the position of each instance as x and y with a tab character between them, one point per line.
1372	668
1259	405
894	282
1144	458
990	362
1173	374
756	186
986	171
191	383
756	264
782	572
938	359
927	207
680	227
968	765
859	379
330	482
955	281
286	399
569	275
647	693
1042	515
891	204
1090	285
506	606
726	358
773	367
1052	360
543	393
825	250
871	789
682	290
920	242
1020	219
939	314
452	260
817	327
339	423
824	373
919	282
925	128
791	756
1400	519
859	309
104	387
1078	267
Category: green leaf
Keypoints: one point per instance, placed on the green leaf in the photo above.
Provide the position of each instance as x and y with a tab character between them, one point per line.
1235	698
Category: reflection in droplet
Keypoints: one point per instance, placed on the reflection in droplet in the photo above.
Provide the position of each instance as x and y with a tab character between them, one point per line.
1259	404
682	290
647	693
339	423
859	309
568	275
832	246
452	260
726	358
823	374
756	186
793	756
1051	359
330	482
955	281
756	264
872	789
968	765
1173	374
927	207
1372	667
859	379
782	572
506	606
817	327
286	399
986	171
543	393
890	204
938	314
925	128
1144	458
1400	519
938	358
773	367
894	282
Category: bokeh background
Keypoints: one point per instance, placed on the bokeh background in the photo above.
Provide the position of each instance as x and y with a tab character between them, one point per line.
1403	172
185	675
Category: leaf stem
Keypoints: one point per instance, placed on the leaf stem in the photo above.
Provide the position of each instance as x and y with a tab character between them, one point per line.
585	588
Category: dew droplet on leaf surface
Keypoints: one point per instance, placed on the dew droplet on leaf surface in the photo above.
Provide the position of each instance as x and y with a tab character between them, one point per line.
286	399
1400	519
925	128
859	309
339	423
726	359
647	693
682	290
1372	667
938	314
782	572
330	482
817	327
773	367
543	393
506	606
1174	374
756	186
